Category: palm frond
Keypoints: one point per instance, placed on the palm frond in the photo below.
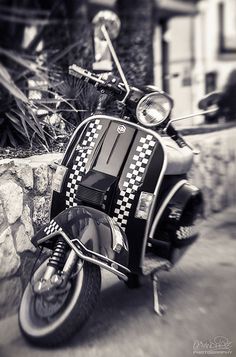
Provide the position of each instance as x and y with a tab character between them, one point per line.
32	66
7	82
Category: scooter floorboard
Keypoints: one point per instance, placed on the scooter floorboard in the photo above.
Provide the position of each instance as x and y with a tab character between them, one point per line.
153	264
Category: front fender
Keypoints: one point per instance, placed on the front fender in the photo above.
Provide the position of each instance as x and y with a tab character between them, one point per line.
97	232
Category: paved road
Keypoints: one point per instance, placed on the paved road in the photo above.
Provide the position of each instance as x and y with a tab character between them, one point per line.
200	294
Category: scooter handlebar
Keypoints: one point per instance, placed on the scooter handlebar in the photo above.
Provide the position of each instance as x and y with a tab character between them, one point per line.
85	75
107	82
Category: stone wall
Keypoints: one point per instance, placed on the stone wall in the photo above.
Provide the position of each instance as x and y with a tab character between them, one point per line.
24	203
214	169
25	197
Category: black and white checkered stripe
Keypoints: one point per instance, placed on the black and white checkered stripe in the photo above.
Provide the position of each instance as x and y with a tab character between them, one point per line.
53	227
185	232
133	179
81	160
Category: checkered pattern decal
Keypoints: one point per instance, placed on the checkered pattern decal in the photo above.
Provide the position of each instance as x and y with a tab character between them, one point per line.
185	232
53	227
78	169
133	179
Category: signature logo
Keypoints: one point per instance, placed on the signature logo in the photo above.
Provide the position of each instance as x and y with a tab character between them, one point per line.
216	345
121	129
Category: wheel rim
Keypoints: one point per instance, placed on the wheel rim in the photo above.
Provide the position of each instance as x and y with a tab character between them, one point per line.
37	326
48	306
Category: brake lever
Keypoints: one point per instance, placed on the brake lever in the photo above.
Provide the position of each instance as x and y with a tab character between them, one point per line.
84	74
108	82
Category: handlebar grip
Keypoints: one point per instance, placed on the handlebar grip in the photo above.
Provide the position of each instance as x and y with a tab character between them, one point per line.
85	75
110	83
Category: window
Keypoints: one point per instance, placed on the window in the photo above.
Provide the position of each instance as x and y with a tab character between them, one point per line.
227	27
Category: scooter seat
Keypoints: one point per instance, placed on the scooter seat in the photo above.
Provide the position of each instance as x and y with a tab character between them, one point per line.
179	159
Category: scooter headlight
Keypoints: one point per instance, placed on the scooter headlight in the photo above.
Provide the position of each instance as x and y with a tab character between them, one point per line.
153	109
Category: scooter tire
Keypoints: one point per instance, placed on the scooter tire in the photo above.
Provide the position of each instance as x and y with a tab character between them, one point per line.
79	304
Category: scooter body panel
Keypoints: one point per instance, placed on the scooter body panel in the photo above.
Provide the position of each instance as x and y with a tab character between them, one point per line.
109	163
174	227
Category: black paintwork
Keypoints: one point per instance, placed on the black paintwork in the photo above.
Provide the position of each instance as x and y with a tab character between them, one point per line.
105	174
114	150
182	210
112	155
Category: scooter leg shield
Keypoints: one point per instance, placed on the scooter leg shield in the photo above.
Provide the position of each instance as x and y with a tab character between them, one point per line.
94	233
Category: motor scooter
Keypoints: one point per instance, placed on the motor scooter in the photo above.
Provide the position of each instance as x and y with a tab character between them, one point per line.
121	201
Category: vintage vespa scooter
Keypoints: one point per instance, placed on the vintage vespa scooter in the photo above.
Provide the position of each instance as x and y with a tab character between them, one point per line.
121	202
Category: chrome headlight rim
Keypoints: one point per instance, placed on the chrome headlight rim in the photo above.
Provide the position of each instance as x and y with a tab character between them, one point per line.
147	96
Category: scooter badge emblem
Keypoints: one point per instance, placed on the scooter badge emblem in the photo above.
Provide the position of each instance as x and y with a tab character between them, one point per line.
121	129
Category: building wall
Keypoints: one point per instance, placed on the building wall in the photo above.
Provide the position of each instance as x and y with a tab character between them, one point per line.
194	52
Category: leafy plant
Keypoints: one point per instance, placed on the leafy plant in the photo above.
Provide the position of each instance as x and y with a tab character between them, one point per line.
18	120
25	120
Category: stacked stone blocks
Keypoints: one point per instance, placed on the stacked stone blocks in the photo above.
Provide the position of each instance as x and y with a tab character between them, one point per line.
24	204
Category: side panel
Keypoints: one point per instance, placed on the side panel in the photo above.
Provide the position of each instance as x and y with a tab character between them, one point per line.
177	227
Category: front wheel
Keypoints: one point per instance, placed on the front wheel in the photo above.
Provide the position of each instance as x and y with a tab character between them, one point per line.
50	321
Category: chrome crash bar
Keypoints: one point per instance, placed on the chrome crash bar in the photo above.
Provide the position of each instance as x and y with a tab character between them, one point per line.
109	264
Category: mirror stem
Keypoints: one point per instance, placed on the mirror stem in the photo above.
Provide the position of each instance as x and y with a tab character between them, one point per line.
116	60
213	110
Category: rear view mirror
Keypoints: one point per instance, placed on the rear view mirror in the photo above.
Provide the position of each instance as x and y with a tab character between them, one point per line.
209	100
110	20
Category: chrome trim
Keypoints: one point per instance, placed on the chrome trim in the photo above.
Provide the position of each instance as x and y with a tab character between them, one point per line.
155	195
118	240
85	257
100	255
109	117
49	273
92	260
212	110
164	205
203	112
117	62
70	262
46	238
